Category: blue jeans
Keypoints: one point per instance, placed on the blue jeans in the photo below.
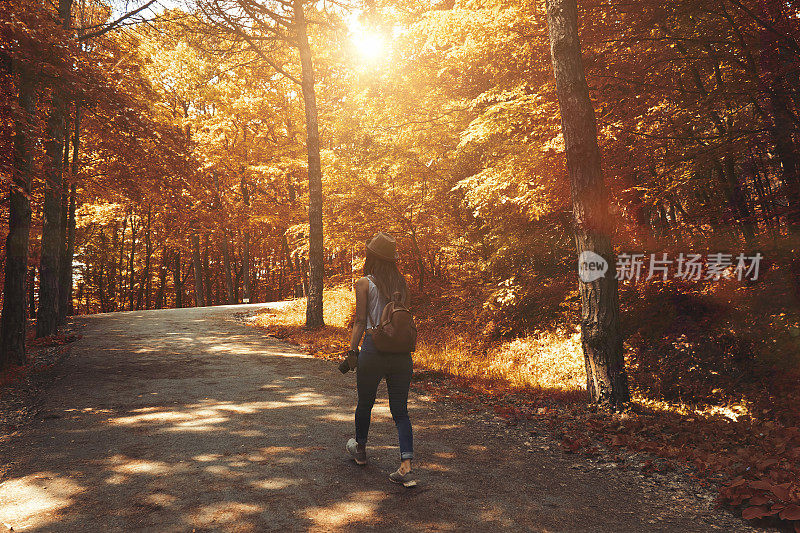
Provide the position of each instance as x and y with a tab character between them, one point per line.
397	369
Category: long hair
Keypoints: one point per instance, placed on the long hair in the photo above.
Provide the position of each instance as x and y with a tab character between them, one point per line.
387	277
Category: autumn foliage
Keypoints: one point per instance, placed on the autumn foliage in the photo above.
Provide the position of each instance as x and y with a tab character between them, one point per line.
185	181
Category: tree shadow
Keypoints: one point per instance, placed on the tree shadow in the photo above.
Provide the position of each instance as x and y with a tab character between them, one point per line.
155	427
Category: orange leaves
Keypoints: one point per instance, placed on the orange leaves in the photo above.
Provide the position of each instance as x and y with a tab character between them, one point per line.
13	373
791	512
756	511
54	340
764	497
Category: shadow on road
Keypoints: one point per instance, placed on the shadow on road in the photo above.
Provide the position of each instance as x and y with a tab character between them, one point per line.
184	420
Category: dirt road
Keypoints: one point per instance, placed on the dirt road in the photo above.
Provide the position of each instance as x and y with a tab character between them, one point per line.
188	420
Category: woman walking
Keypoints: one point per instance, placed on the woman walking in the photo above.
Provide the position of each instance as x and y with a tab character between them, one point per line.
381	279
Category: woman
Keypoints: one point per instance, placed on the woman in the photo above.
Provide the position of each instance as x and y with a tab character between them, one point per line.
381	278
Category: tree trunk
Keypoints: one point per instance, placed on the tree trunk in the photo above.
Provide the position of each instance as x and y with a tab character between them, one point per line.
49	275
63	268
303	265
301	281
246	294
12	323
226	266
112	270
101	289
119	269
600	329
199	296
101	285
282	279
735	196
237	281
132	266
162	279
177	281
147	284
47	317
315	237
246	282
65	288
207	269
31	296
420	261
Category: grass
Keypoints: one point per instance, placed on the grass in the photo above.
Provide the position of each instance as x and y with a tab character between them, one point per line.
547	362
338	305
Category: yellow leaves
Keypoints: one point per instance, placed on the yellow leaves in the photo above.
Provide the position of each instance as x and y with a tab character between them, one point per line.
506	185
98	213
556	144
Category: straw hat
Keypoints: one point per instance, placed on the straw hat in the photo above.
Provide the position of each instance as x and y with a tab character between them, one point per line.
384	246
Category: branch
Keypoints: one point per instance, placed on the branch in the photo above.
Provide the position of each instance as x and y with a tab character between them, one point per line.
767	26
116	23
236	30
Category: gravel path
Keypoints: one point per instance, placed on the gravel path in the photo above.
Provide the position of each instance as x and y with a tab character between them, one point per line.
188	420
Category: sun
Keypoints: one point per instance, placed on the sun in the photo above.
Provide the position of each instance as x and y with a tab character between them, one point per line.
369	45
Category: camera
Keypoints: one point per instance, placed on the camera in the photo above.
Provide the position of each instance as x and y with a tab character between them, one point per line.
350	362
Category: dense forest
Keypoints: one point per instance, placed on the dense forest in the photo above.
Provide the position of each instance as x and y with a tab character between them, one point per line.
234	151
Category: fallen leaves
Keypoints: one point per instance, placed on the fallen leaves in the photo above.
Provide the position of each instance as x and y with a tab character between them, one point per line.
59	339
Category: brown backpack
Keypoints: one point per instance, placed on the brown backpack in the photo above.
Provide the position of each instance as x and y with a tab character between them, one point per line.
396	331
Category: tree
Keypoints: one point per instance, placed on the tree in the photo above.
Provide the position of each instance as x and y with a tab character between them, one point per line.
316	250
47	317
12	327
593	225
264	29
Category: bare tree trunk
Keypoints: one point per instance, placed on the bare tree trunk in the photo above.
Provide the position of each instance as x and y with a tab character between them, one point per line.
316	257
12	323
199	296
600	330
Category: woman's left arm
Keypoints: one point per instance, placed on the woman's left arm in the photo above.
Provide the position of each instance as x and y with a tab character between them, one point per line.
360	322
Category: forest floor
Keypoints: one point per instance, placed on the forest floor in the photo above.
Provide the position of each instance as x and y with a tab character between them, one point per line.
190	420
